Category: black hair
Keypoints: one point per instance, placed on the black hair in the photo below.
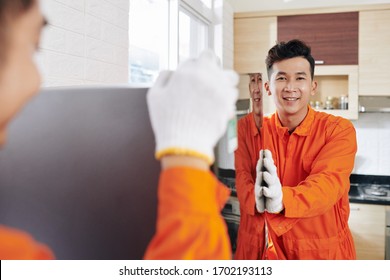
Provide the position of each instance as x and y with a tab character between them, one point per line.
290	49
14	7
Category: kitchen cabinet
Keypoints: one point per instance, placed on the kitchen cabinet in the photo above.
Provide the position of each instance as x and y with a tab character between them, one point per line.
336	81
254	36
333	37
367	224
374	42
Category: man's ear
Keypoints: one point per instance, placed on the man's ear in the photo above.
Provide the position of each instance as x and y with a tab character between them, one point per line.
266	86
313	87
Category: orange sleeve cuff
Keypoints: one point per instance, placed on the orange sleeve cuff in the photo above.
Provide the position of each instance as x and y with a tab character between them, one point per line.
18	245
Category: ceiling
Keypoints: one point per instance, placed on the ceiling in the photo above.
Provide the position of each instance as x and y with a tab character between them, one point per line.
271	5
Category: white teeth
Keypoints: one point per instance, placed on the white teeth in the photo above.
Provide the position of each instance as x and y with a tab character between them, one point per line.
291	98
257	99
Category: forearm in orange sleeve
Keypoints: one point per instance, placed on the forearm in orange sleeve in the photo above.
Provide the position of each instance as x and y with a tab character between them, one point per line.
328	180
18	245
189	223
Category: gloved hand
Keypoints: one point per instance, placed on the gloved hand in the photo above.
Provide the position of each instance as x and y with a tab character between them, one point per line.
259	197
273	193
189	109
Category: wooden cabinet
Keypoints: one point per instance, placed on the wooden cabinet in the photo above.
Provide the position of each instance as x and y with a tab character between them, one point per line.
367	224
253	37
374	45
335	81
333	37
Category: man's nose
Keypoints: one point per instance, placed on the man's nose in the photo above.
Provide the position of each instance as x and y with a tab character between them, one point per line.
256	87
290	86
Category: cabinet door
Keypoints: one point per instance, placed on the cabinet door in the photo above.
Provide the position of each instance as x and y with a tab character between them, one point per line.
332	37
367	224
374	60
253	37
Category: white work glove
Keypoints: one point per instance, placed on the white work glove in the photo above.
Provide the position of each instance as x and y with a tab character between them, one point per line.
273	193
190	108
259	197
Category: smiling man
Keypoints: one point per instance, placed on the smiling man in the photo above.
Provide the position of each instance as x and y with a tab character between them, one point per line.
309	157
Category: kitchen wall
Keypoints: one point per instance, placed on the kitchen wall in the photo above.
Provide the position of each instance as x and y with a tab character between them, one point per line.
86	42
373	134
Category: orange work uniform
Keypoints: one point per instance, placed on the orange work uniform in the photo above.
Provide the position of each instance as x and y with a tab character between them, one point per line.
189	224
189	220
314	164
18	245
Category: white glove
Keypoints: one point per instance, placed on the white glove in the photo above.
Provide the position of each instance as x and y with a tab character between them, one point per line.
189	109
273	193
259	197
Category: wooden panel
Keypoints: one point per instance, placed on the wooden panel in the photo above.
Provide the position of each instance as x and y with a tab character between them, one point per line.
332	37
305	11
253	37
367	223
374	45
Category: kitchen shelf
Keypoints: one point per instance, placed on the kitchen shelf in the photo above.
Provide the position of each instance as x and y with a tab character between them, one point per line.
335	81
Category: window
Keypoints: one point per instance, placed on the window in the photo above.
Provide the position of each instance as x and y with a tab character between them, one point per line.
163	33
193	34
148	39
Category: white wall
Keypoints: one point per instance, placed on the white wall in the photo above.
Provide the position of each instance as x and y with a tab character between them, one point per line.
86	42
373	135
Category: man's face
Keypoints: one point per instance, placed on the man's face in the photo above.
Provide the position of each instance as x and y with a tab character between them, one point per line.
256	92
19	76
291	86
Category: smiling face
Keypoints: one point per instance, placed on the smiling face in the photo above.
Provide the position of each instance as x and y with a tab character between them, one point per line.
291	85
19	76
256	92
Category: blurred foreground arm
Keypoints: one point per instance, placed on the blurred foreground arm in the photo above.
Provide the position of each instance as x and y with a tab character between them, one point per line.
189	110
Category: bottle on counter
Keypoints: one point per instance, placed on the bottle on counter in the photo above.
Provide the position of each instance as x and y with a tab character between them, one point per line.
343	102
317	105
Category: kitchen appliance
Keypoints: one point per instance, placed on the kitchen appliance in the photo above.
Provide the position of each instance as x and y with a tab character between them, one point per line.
372	104
370	192
79	173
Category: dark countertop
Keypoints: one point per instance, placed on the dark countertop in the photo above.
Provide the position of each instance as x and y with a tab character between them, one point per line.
366	201
356	192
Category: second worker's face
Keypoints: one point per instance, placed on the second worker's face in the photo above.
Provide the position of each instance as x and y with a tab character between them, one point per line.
256	92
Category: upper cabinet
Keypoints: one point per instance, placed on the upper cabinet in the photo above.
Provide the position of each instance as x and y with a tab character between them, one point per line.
253	37
374	46
350	46
333	37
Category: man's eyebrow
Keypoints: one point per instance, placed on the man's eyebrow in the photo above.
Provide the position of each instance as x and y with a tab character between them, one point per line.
301	73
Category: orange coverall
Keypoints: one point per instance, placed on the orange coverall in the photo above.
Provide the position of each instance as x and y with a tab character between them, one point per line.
314	164
18	245
189	224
